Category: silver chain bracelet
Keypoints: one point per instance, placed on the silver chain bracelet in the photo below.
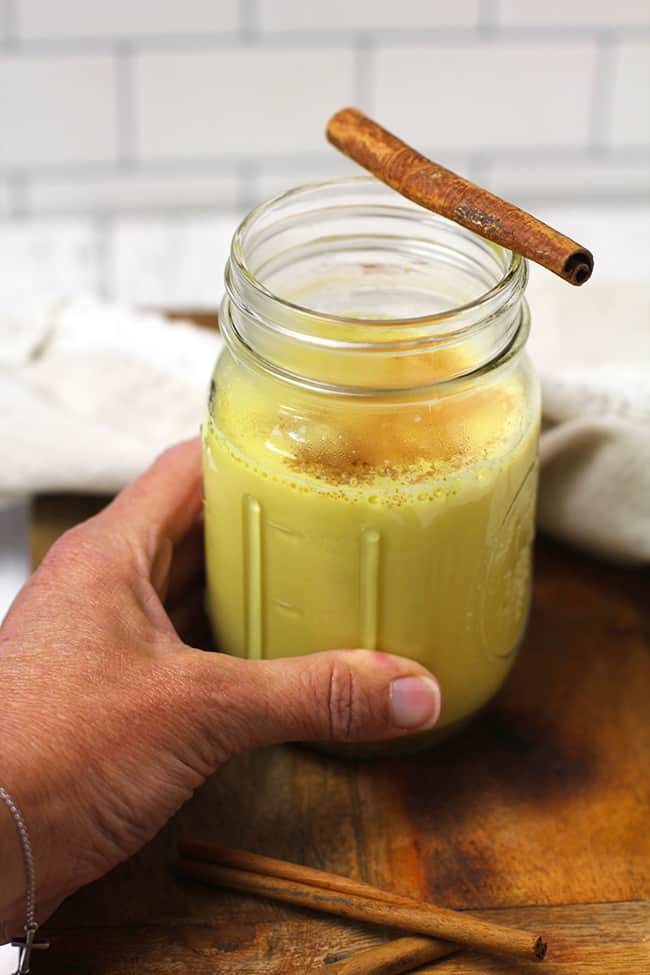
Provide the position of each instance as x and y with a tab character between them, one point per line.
27	944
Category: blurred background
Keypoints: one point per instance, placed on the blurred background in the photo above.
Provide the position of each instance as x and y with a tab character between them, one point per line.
134	134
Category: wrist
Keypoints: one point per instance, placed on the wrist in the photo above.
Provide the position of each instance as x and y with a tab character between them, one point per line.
23	778
12	888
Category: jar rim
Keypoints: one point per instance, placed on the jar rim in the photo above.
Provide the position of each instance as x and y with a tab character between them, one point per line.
516	268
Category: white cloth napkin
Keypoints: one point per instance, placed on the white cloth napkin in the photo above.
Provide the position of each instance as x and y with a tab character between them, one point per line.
591	347
91	391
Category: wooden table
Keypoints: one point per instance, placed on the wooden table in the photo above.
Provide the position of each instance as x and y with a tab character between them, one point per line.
536	815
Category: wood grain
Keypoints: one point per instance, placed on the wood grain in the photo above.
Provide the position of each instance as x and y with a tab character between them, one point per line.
394	957
595	939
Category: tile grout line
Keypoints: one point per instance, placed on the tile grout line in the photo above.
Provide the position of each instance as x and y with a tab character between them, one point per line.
225	165
249	29
17	185
125	124
103	254
102	222
479	168
9	18
601	94
326	39
488	17
248	193
365	76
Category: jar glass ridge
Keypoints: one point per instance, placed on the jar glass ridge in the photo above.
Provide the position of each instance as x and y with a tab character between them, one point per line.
370	444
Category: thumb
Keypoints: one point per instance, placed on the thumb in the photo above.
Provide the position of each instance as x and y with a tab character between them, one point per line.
338	695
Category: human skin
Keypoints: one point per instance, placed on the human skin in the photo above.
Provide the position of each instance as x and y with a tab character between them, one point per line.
110	721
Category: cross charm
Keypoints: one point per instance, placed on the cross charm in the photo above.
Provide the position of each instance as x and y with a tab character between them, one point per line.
25	947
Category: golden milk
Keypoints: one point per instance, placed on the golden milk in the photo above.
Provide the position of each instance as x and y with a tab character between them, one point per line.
408	530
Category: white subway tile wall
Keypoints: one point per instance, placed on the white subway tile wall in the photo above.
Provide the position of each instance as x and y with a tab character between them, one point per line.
542	178
168	264
114	113
630	108
178	104
277	176
226	103
494	96
157	262
65	254
57	109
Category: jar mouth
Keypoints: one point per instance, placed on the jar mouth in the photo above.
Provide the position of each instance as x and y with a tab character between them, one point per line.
513	275
347	283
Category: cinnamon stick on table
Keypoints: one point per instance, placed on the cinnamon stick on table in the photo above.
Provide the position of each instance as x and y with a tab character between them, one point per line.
393	957
436	188
306	887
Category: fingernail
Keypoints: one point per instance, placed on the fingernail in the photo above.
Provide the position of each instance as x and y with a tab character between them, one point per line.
414	702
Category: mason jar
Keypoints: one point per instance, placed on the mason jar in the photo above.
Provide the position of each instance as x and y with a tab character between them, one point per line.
370	444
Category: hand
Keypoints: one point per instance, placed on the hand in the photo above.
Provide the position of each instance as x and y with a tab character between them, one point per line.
109	721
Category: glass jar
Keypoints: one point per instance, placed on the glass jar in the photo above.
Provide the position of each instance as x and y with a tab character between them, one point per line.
370	446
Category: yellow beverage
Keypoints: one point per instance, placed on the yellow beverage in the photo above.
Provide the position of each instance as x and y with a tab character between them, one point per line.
399	518
324	546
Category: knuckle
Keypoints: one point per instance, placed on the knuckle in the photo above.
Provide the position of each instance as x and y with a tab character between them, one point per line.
166	455
76	544
203	697
343	702
170	455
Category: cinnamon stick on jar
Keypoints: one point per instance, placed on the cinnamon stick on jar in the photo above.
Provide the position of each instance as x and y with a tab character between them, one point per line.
438	189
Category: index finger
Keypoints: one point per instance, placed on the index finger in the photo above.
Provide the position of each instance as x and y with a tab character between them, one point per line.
161	504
